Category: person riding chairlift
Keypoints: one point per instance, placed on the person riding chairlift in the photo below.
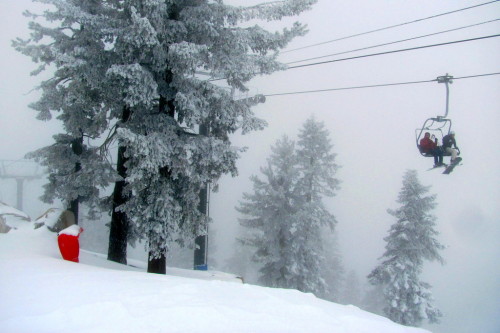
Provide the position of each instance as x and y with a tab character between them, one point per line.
448	141
430	147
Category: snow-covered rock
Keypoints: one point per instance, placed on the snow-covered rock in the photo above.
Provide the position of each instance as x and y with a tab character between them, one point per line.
11	218
4	228
55	219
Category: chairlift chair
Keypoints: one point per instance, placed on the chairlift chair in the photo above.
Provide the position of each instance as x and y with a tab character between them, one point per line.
438	126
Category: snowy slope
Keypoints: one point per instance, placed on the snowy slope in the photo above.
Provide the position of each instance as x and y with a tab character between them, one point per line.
40	292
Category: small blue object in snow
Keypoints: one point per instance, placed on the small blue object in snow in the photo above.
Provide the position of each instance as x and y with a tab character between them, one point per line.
201	267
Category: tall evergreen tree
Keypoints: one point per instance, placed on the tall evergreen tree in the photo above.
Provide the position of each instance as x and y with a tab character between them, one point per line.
287	214
411	240
143	57
77	171
78	45
317	168
317	164
270	215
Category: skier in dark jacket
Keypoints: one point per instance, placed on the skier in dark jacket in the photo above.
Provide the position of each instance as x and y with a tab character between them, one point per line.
448	142
431	147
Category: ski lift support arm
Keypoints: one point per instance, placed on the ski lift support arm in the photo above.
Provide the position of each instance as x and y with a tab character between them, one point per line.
446	79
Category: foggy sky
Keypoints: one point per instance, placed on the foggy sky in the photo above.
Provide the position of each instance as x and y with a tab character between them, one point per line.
372	130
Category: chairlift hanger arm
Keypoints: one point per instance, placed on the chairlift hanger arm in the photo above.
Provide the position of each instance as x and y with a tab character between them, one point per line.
446	79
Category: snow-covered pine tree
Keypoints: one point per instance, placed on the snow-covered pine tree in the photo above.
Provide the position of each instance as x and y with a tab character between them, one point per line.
411	240
191	35
269	215
77	171
287	207
143	57
317	164
317	167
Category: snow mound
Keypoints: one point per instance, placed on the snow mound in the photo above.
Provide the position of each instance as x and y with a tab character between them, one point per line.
72	230
11	218
8	210
40	292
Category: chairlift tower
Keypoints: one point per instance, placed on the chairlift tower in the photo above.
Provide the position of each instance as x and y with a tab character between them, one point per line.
20	171
201	241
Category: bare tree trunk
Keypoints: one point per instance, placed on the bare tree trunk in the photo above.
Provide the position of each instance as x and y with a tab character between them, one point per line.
118	233
77	148
157	265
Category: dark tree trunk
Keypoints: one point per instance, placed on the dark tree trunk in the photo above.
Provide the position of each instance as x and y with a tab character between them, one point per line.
117	249
77	148
74	208
118	232
157	265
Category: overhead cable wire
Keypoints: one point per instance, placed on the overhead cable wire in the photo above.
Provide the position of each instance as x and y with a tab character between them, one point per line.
389	27
374	85
390	43
394	51
347	88
474	76
381	53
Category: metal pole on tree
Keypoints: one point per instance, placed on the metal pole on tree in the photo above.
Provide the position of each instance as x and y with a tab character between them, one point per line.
201	241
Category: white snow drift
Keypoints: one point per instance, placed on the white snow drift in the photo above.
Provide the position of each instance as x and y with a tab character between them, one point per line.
40	292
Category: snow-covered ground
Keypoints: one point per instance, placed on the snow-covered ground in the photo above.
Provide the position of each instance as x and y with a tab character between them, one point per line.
40	292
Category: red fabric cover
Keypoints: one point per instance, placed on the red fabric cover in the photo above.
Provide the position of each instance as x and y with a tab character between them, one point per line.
69	247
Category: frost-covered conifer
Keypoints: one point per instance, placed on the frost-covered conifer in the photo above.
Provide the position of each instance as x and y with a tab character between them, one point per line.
411	240
317	167
269	214
143	58
287	214
77	170
317	163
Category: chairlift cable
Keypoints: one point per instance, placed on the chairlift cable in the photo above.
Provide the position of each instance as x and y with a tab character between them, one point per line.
375	85
390	43
395	51
389	27
349	88
380	53
474	76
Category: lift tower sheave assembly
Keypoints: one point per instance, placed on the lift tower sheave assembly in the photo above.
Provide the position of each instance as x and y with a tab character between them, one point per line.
20	171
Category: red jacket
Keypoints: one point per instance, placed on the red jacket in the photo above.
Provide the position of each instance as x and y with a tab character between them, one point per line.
427	145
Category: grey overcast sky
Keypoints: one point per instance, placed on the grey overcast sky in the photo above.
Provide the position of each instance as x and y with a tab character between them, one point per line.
373	132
